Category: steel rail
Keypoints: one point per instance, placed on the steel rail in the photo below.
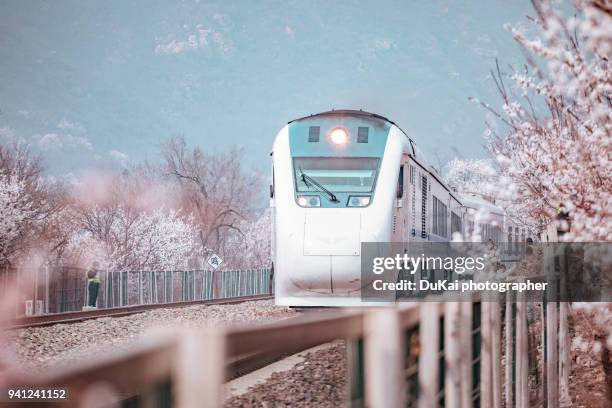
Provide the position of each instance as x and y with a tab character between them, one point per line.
79	316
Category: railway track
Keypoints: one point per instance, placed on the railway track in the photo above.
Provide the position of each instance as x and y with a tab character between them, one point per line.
246	364
73	317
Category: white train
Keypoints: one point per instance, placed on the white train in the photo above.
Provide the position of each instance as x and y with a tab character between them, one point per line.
340	178
344	177
483	220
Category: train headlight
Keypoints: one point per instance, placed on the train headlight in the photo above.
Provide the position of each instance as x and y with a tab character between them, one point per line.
309	201
358	201
339	136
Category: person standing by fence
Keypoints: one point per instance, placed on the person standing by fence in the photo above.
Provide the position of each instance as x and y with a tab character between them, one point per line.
93	284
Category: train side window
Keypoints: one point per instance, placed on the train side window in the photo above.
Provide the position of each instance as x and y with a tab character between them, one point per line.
440	218
455	223
400	183
424	189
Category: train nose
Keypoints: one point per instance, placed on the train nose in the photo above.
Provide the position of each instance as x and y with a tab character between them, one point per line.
336	235
332	233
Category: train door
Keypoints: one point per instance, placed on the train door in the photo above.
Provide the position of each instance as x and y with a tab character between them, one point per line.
407	200
399	212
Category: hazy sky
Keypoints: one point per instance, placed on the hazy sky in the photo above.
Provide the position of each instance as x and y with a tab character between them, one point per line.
106	81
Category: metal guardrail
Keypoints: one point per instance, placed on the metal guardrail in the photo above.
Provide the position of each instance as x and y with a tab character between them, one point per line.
58	290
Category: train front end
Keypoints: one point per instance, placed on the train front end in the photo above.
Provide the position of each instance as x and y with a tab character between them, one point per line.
334	182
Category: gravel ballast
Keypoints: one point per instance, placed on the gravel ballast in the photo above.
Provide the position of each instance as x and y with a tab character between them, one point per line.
318	381
62	344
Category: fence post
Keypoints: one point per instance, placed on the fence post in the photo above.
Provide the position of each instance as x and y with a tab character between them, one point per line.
552	339
200	369
215	275
509	331
183	285
355	372
152	287
107	292
172	286
193	284
166	295
564	340
47	283
522	362
564	353
543	391
86	297
452	354
120	288
429	339
19	297
486	394
36	278
383	359
237	283
496	353
552	343
206	285
467	356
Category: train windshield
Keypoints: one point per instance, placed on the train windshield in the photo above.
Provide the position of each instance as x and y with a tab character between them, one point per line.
338	174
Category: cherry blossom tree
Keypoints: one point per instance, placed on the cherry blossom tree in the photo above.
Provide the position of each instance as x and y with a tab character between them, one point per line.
252	247
216	189
27	203
123	240
16	209
126	221
559	156
555	151
471	176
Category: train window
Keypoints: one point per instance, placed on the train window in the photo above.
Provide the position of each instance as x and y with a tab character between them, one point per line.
455	223
313	134
400	183
362	134
516	240
338	174
439	218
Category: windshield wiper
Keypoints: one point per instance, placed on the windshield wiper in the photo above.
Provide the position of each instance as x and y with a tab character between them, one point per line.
309	180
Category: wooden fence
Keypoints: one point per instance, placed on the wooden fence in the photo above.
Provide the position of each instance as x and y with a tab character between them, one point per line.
427	355
472	353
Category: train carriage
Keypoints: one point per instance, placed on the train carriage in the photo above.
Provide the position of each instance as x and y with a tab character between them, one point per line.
340	178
